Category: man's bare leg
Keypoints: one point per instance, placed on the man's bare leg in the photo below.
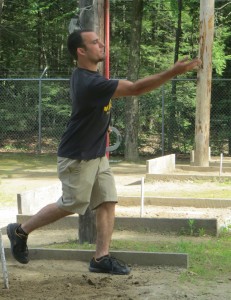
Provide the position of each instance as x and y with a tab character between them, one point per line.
18	233
105	217
48	214
103	262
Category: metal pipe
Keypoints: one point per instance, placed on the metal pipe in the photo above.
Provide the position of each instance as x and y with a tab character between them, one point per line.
162	137
142	198
107	39
3	259
107	57
221	163
40	111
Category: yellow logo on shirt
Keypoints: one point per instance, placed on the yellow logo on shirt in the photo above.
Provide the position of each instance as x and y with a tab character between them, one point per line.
108	107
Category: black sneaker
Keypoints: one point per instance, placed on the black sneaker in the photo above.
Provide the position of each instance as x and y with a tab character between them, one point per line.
109	264
18	244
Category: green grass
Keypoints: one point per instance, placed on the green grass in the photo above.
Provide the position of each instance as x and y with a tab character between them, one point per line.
17	168
10	162
209	258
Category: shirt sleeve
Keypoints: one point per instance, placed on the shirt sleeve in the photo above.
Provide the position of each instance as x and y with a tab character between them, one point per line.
102	89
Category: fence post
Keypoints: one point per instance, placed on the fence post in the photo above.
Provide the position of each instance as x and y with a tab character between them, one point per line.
40	112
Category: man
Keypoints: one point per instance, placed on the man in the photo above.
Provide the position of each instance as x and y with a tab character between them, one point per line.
82	166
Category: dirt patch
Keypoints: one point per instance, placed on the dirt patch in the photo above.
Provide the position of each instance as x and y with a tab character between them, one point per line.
71	280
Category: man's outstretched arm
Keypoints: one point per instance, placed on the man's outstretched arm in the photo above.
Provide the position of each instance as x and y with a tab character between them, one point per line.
147	84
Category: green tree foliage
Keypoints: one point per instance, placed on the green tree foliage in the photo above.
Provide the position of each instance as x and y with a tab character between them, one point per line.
157	53
33	35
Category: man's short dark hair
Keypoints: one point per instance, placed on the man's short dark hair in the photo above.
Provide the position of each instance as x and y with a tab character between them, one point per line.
75	41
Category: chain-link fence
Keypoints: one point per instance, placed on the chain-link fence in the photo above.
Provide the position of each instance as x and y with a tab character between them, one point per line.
35	112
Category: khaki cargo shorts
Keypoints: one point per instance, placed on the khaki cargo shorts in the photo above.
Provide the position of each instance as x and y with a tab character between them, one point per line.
85	183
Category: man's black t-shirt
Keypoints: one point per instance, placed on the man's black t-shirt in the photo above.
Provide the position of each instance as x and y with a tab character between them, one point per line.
85	135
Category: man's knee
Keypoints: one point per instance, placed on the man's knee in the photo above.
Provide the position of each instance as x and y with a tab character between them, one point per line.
107	206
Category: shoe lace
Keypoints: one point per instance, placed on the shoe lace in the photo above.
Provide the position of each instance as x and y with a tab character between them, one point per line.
115	262
22	246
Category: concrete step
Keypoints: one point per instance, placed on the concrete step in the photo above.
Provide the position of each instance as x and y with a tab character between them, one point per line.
131	257
188	176
175	201
210	226
212	168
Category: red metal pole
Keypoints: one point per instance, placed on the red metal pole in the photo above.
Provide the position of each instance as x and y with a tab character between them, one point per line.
107	57
107	37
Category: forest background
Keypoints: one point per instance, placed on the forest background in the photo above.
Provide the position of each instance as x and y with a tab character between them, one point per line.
35	68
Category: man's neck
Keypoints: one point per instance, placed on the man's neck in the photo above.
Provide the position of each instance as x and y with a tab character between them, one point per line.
88	66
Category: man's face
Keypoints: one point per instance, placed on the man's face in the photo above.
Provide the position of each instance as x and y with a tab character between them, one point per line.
94	48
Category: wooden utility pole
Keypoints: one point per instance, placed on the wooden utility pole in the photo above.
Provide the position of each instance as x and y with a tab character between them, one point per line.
203	97
1	7
91	17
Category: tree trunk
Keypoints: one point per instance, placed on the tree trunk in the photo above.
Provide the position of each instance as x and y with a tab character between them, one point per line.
93	19
87	228
172	122
87	17
90	19
202	123
1	7
132	104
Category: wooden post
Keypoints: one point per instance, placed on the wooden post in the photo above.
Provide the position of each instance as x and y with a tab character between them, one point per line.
203	97
90	19
87	227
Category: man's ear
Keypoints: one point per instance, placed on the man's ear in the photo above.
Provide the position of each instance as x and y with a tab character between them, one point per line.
80	51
